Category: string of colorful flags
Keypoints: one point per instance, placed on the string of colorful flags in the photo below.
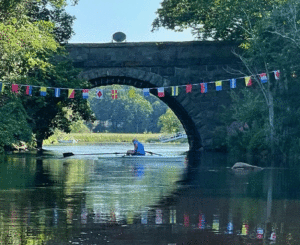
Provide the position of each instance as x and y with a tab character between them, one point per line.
15	88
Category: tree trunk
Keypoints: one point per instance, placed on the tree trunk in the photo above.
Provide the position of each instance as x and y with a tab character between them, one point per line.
39	143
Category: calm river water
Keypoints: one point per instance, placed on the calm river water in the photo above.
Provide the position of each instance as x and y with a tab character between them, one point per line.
197	199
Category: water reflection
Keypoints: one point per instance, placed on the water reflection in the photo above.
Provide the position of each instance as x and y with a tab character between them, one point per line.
83	201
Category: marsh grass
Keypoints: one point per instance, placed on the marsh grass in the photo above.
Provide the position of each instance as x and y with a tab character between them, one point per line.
102	137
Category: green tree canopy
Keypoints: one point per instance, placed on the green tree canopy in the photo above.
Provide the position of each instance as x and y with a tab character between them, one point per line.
216	19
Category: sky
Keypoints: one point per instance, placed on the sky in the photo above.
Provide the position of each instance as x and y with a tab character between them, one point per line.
97	21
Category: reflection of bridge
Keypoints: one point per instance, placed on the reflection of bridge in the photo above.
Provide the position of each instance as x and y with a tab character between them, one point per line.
152	65
177	136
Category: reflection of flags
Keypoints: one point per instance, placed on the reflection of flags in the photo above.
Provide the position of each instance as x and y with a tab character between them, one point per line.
161	92
146	92
188	88
203	87
248	81
99	94
57	92
2	85
28	90
232	83
114	94
230	228
43	91
85	93
14	88
245	229
84	215
263	77
131	93
144	218
174	90
71	93
277	74
216	223
158	217
186	219
218	85
259	233
172	216
201	224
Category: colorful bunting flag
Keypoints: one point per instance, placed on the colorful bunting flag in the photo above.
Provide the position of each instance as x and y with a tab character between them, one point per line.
174	91
188	88
161	92
14	88
146	92
28	90
114	94
99	94
2	85
131	93
232	83
43	91
85	93
71	93
263	77
248	81
57	92
218	85
277	74
203	87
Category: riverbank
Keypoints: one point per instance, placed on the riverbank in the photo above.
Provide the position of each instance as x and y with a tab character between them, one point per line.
104	138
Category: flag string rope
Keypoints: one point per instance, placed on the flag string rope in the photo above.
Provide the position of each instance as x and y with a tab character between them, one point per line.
164	87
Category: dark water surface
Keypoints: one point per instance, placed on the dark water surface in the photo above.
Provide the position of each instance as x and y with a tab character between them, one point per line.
193	200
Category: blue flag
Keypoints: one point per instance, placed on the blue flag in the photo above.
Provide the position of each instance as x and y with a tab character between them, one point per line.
57	92
233	83
146	92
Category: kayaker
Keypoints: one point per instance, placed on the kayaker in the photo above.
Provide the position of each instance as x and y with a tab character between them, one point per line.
138	148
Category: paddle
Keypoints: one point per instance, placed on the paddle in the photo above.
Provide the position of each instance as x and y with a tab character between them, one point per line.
69	154
152	153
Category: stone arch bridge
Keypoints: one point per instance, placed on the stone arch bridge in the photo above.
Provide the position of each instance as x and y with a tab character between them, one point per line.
162	64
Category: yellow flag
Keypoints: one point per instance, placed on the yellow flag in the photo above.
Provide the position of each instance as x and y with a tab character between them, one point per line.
131	93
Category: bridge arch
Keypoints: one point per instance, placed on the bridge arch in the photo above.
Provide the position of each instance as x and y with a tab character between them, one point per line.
143	79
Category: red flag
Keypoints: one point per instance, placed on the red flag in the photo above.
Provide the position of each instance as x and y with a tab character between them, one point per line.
248	81
14	88
161	92
277	74
188	88
114	94
71	93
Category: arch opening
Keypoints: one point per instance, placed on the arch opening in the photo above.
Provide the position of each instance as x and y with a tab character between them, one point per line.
194	139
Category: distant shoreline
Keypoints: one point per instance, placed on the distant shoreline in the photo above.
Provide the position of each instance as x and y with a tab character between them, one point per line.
105	138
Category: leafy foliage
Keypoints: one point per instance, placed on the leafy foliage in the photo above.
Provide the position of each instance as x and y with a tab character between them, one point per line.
126	114
215	19
13	123
169	122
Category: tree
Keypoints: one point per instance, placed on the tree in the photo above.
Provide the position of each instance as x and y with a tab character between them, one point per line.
269	37
29	46
224	20
48	113
125	114
169	122
13	122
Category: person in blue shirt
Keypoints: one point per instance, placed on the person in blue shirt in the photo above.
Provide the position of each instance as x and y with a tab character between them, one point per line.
138	148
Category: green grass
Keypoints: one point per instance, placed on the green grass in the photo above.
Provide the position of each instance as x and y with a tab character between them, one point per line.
102	137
